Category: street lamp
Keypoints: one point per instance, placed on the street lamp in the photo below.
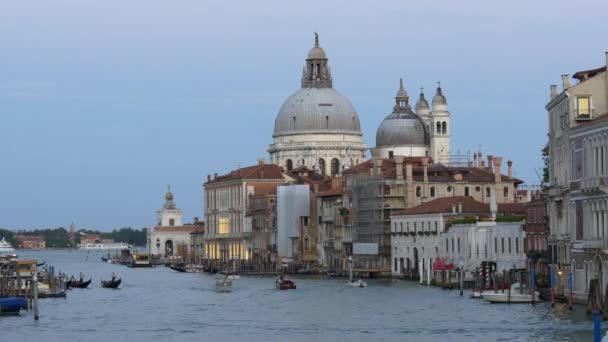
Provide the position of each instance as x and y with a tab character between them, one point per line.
158	245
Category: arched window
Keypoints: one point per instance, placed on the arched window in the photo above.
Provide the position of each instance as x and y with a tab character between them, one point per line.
432	191
505	191
477	189
449	188
438	127
306	243
289	165
488	192
322	166
444	128
466	191
418	192
335	166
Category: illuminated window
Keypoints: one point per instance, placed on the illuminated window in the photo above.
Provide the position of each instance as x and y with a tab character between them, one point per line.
224	225
583	106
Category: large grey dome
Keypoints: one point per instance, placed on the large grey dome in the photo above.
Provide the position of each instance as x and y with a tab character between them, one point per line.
402	127
317	110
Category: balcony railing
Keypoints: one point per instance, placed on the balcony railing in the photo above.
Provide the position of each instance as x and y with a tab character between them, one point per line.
587	244
596	183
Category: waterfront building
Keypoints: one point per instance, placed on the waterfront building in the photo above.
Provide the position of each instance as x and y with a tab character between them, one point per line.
30	242
424	133
228	231
197	242
417	233
334	236
578	172
316	126
380	187
89	238
170	237
262	217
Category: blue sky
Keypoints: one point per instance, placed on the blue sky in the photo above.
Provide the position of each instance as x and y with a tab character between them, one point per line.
104	103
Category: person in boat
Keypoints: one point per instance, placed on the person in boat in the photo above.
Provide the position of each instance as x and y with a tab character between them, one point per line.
81	278
113	277
72	278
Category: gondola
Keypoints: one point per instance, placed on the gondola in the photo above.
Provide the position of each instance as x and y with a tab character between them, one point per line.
178	268
41	264
104	259
109	284
78	284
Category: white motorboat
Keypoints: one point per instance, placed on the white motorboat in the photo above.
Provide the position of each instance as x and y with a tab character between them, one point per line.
5	246
223	285
515	295
357	283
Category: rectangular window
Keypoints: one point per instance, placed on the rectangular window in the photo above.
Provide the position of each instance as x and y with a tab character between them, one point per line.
447	246
452	244
517	245
583	107
509	245
458	245
306	220
495	245
224	225
502	242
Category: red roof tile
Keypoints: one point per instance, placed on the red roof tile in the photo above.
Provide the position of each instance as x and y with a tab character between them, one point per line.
469	206
259	171
189	228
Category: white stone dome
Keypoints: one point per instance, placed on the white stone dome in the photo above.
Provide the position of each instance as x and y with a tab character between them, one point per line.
317	110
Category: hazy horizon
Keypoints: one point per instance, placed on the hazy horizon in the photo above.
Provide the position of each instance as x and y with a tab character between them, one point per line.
105	103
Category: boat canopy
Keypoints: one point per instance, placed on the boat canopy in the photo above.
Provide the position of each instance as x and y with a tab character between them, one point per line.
440	265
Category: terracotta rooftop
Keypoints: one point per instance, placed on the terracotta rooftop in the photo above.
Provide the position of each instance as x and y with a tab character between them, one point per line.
259	171
436	172
469	206
337	191
586	74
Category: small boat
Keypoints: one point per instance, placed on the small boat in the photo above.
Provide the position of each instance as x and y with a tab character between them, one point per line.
223	285
104	259
512	296
52	294
357	283
284	284
78	284
41	264
178	268
111	284
12	304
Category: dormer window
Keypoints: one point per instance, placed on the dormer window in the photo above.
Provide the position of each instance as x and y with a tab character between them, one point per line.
583	107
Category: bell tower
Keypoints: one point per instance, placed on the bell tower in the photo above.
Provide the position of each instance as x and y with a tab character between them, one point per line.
440	136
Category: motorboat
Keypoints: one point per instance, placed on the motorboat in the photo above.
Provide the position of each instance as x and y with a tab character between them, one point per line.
282	283
516	294
223	284
5	246
357	283
12	304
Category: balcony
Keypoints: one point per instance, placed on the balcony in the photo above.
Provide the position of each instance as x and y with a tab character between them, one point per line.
329	243
595	244
594	184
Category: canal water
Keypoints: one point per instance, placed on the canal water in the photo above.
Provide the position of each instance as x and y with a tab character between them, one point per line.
160	304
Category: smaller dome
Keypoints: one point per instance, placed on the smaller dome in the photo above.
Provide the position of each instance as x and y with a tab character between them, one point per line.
439	99
422	102
317	52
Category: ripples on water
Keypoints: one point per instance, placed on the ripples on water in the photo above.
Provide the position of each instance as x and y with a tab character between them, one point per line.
160	305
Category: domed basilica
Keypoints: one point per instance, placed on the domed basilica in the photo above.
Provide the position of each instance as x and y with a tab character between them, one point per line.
319	128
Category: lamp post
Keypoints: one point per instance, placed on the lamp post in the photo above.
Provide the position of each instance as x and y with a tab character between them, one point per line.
157	246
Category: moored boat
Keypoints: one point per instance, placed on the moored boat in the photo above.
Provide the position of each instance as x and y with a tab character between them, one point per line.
223	285
514	295
111	284
357	283
5	246
12	304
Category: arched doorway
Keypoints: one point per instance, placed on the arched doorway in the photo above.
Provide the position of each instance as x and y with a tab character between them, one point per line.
289	165
168	248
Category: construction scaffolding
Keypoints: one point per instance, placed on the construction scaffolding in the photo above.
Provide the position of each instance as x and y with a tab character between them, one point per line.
371	233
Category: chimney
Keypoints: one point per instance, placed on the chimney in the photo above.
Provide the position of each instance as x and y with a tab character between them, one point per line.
399	166
336	182
208	178
408	172
565	81
510	165
553	91
425	168
497	161
376	161
490	158
480	159
195	220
